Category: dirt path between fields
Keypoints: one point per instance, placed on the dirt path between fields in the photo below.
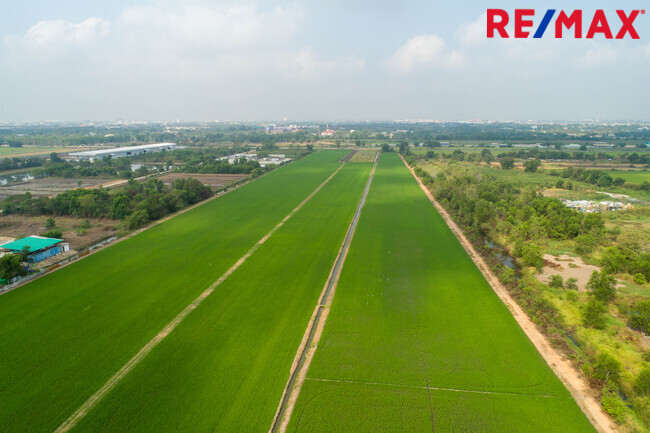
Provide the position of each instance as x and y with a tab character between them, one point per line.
310	339
572	379
82	410
436	388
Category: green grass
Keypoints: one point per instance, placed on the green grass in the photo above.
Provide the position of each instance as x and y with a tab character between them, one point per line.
224	368
632	176
411	310
12	151
64	335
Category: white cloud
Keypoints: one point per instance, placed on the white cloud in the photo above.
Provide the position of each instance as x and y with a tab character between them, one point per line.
599	55
185	40
47	38
306	64
422	52
210	26
473	33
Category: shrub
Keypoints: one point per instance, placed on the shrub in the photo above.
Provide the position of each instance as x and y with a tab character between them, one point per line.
614	407
603	286
507	276
642	383
607	367
593	314
639	317
572	296
50	223
571	284
639	278
53	234
556	282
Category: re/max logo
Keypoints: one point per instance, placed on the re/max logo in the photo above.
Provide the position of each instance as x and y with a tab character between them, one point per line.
498	19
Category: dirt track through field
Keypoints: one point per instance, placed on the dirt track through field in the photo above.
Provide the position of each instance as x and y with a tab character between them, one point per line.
82	410
314	330
561	366
427	387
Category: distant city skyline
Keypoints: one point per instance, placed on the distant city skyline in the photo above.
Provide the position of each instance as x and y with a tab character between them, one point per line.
332	60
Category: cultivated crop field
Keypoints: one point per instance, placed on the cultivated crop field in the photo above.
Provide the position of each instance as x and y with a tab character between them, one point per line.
227	364
416	338
63	335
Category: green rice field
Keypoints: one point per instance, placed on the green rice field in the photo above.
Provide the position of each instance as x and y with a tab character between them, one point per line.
416	340
63	335
227	364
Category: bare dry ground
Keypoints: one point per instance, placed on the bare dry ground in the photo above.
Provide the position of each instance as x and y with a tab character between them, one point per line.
18	226
567	267
48	186
211	180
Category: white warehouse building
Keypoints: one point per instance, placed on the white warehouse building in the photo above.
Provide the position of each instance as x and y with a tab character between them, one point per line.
121	152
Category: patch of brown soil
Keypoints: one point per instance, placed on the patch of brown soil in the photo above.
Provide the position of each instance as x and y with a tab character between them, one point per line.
18	226
211	180
48	186
567	267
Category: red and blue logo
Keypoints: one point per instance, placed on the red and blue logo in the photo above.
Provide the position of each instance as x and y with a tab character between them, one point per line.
498	19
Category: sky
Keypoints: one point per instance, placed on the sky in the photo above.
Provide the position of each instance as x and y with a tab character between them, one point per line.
311	60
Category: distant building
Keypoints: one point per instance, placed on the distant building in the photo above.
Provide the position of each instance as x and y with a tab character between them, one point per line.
444	144
121	152
40	248
601	144
572	146
528	146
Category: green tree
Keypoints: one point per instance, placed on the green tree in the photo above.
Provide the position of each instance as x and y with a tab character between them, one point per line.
137	219
639	317
121	207
603	286
50	223
486	156
593	314
531	165
10	266
507	163
404	148
385	147
607	367
531	255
